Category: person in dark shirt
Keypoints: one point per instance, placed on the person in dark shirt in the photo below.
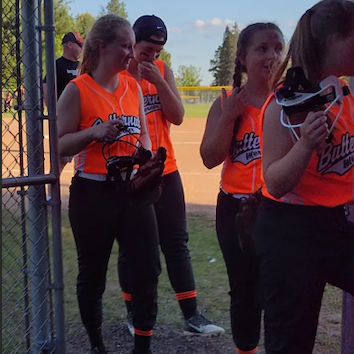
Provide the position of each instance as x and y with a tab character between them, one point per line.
66	70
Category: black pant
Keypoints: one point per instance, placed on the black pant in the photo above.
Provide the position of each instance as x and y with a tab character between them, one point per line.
300	249
245	310
98	216
173	235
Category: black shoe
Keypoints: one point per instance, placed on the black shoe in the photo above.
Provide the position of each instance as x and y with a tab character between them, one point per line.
99	350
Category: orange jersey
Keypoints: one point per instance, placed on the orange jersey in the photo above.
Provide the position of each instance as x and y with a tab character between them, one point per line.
158	125
329	177
98	106
241	173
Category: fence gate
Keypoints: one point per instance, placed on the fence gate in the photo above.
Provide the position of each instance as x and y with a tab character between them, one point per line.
32	279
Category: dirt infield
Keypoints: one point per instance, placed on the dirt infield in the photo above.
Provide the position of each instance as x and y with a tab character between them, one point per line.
200	184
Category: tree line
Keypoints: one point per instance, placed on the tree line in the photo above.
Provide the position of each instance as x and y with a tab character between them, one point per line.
221	65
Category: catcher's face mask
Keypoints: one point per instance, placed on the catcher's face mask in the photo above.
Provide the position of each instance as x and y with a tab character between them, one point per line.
298	95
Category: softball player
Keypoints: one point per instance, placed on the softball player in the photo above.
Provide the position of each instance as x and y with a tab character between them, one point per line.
163	107
232	137
303	238
90	109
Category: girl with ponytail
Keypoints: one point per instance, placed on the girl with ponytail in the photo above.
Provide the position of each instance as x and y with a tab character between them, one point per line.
232	138
303	238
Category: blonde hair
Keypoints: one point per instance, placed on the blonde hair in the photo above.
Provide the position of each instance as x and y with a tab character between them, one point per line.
308	43
104	31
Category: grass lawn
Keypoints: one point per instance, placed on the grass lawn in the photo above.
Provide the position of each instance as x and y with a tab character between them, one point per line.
199	110
211	278
211	285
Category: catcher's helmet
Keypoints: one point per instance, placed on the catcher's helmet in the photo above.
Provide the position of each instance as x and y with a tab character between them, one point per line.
298	95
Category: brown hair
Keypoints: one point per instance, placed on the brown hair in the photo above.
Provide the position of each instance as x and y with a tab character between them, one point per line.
104	31
243	42
308	43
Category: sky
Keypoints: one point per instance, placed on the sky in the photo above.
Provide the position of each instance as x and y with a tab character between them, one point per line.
196	27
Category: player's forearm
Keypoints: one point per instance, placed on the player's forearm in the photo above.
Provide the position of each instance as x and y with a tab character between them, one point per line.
145	140
216	147
72	143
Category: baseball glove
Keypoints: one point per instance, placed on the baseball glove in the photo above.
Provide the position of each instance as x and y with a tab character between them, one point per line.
145	187
245	220
149	175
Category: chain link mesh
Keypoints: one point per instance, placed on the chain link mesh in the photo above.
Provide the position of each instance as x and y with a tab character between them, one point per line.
27	307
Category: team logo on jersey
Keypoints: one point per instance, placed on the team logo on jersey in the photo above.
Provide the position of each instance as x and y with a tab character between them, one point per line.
72	72
339	158
151	103
131	123
245	150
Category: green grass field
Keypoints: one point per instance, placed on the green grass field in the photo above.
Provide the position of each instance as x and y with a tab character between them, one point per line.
211	278
211	285
198	110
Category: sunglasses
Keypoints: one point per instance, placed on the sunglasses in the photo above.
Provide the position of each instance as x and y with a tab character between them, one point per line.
79	44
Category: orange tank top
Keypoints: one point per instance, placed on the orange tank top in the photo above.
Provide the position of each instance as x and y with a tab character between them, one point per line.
329	177
98	106
158	125
241	173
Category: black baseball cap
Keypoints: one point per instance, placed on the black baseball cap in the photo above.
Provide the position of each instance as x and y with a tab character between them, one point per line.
150	25
73	37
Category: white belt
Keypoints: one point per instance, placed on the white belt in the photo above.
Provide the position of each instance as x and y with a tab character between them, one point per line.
102	177
236	196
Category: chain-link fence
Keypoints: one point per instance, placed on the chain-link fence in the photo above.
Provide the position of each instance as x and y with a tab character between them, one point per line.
32	290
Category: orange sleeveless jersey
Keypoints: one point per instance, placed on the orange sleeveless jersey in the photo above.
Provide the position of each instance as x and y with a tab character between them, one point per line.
98	106
329	177
241	173
158	125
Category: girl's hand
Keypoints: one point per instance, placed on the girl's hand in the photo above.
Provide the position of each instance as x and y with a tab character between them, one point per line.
150	72
314	130
107	130
234	105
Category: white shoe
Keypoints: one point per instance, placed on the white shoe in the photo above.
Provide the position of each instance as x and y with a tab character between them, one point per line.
130	323
198	325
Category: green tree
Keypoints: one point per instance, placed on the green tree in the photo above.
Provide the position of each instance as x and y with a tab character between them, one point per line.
188	76
84	23
64	23
8	45
115	7
165	56
222	66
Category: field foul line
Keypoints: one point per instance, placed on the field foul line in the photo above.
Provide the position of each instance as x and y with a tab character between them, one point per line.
186	143
181	173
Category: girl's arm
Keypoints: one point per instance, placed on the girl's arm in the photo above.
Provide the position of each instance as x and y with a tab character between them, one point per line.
144	134
284	162
71	139
220	127
170	99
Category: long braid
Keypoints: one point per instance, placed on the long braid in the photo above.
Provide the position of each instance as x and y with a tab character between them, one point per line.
237	77
243	42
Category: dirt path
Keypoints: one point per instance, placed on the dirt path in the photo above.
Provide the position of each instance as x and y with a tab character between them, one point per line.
166	340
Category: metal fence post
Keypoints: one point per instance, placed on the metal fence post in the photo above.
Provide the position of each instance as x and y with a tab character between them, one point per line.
348	312
36	193
55	202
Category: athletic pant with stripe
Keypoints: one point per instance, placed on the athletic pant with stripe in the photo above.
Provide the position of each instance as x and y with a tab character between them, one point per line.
173	236
242	270
300	249
98	216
